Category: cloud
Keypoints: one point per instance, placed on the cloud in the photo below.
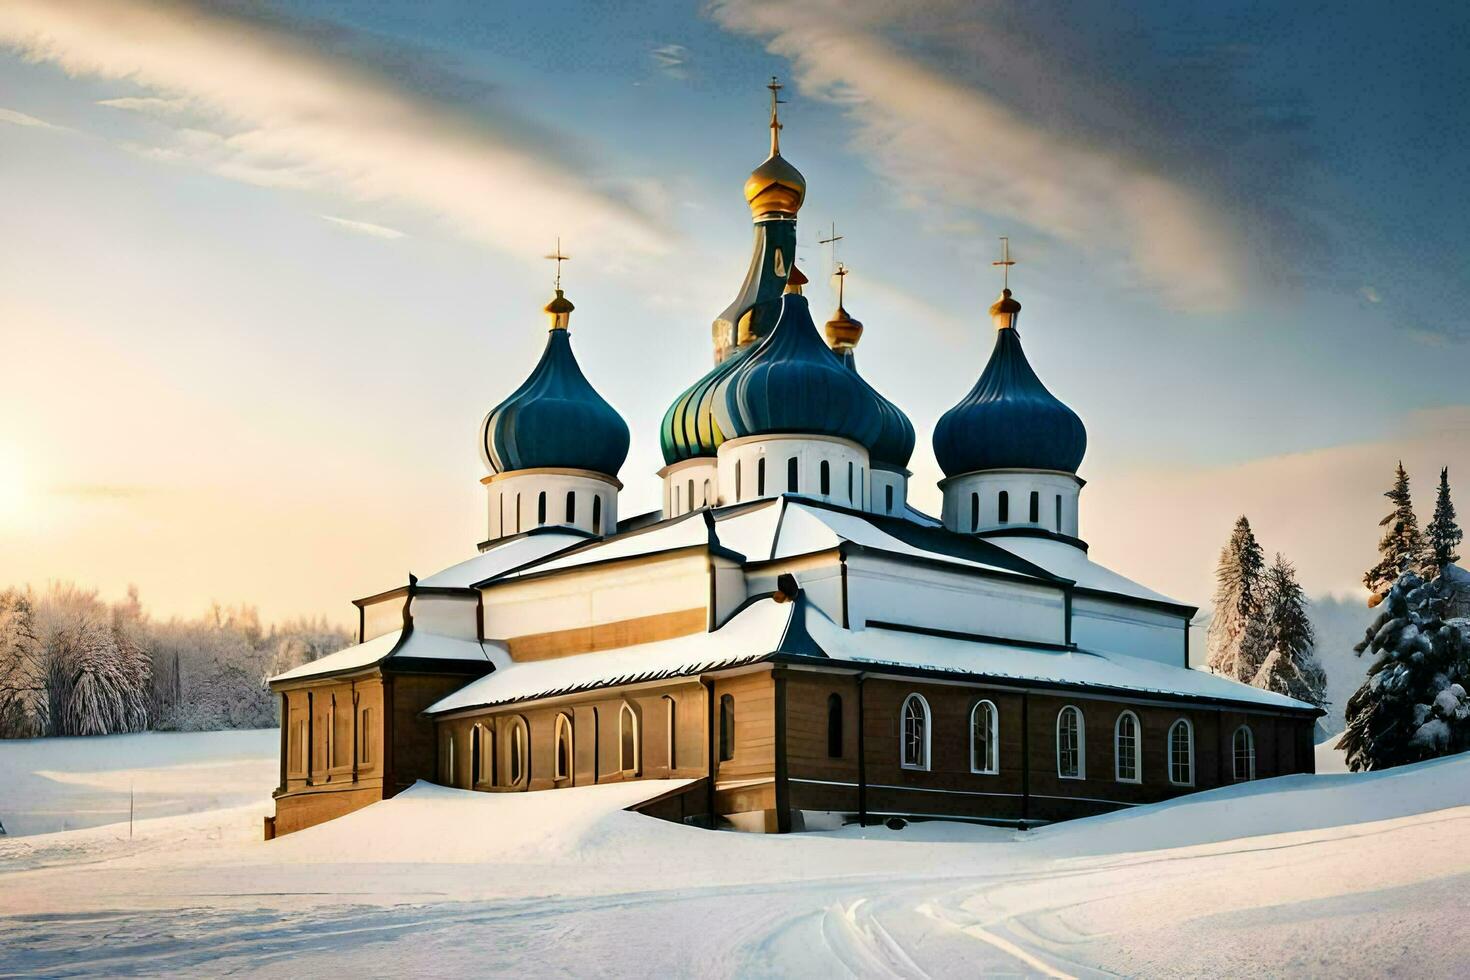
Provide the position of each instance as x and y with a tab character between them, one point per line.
260	103
946	139
363	227
21	119
672	60
1370	294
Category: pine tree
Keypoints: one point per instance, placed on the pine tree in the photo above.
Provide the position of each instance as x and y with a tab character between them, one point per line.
1402	547
1290	667
1413	705
1443	533
1236	641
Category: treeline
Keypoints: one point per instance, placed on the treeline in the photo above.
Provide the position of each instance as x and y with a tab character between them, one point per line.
72	664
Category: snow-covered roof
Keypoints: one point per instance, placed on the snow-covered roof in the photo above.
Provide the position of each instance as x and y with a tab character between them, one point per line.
417	645
504	556
753	633
920	651
1064	560
684	532
766	628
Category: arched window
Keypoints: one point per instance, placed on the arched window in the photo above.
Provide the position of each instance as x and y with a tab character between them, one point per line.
500	515
826	478
834	726
564	756
1243	748
518	513
678	499
691	494
888	498
1035	507
1059	513
449	758
597	515
1071	749
476	760
541	507
727	728
672	728
1125	748
571	507
737	479
1003	507
518	767
791	474
1181	753
760	477
974	512
628	741
849	481
914	747
985	738
332	732
709	498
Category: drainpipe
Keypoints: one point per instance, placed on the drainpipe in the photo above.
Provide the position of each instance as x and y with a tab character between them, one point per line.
709	741
1025	759
862	759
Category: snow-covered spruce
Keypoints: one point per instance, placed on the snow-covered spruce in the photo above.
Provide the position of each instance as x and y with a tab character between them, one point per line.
1443	533
1413	705
1236	639
1402	548
1290	666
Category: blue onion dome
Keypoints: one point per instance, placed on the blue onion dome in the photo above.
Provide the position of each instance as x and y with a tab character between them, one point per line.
688	428
1009	420
556	418
792	384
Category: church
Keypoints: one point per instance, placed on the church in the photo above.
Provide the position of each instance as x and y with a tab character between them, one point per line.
786	640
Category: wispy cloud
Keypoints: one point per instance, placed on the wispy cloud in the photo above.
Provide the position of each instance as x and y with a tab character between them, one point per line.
946	140
1370	294
21	119
258	102
672	60
363	227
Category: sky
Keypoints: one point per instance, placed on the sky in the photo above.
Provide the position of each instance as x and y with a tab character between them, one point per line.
267	265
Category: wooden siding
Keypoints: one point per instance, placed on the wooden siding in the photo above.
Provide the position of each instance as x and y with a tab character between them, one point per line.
608	636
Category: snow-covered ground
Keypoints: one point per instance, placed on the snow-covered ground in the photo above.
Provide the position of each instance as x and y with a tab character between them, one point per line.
1330	875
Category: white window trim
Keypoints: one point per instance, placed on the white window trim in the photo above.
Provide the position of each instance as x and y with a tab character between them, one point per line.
1081	742
1137	747
923	765
1251	742
564	722
626	711
1169	748
519	759
992	737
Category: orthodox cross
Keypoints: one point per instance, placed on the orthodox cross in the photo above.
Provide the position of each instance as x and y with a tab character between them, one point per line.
559	259
841	275
1005	262
776	100
832	240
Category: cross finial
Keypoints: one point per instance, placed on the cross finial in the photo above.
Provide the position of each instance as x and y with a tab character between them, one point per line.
775	86
559	259
832	240
1005	262
841	275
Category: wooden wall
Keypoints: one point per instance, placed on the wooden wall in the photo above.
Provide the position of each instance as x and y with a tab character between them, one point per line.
1027	786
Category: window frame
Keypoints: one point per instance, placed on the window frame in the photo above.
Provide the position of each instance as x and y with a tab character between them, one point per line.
671	724
563	727
727	728
1169	748
992	738
1250	743
1137	737
518	748
1081	773
835	733
631	746
925	717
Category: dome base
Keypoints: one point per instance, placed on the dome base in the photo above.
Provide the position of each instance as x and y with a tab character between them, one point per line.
1003	500
520	500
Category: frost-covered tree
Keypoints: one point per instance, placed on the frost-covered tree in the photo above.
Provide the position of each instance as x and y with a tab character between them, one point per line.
1443	533
1236	641
1413	705
1290	666
1402	547
23	702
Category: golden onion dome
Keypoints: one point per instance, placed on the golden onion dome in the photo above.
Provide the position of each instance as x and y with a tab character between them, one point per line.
843	332
560	309
775	187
